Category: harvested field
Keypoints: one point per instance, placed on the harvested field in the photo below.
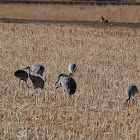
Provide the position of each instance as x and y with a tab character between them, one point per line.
107	58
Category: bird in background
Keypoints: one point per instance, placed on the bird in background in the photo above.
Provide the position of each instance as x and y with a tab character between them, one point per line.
37	68
102	20
23	76
131	91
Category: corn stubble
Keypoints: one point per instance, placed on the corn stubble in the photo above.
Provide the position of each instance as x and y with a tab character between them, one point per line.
107	59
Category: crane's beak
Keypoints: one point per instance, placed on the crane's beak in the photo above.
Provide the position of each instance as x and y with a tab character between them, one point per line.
26	68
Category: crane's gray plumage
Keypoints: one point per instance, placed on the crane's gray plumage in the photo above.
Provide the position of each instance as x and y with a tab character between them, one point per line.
37	82
22	75
131	91
66	82
37	68
72	68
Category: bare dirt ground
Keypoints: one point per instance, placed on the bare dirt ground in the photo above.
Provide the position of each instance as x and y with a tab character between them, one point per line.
80	23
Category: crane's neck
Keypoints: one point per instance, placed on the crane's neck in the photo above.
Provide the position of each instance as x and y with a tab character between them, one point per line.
28	72
70	74
127	99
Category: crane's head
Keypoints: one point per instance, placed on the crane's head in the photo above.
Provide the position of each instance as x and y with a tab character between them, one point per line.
72	69
27	68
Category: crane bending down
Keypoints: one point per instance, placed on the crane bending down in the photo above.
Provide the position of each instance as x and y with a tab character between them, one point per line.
66	82
37	82
22	75
131	91
37	68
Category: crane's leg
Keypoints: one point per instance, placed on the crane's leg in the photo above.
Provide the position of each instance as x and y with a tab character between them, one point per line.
19	83
28	76
27	86
70	96
65	93
36	91
23	83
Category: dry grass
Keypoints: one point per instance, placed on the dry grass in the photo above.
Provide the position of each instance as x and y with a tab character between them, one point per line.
107	61
70	12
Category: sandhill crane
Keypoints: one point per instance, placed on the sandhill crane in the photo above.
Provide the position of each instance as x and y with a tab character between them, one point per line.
102	20
72	68
37	68
22	75
131	91
66	82
37	82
